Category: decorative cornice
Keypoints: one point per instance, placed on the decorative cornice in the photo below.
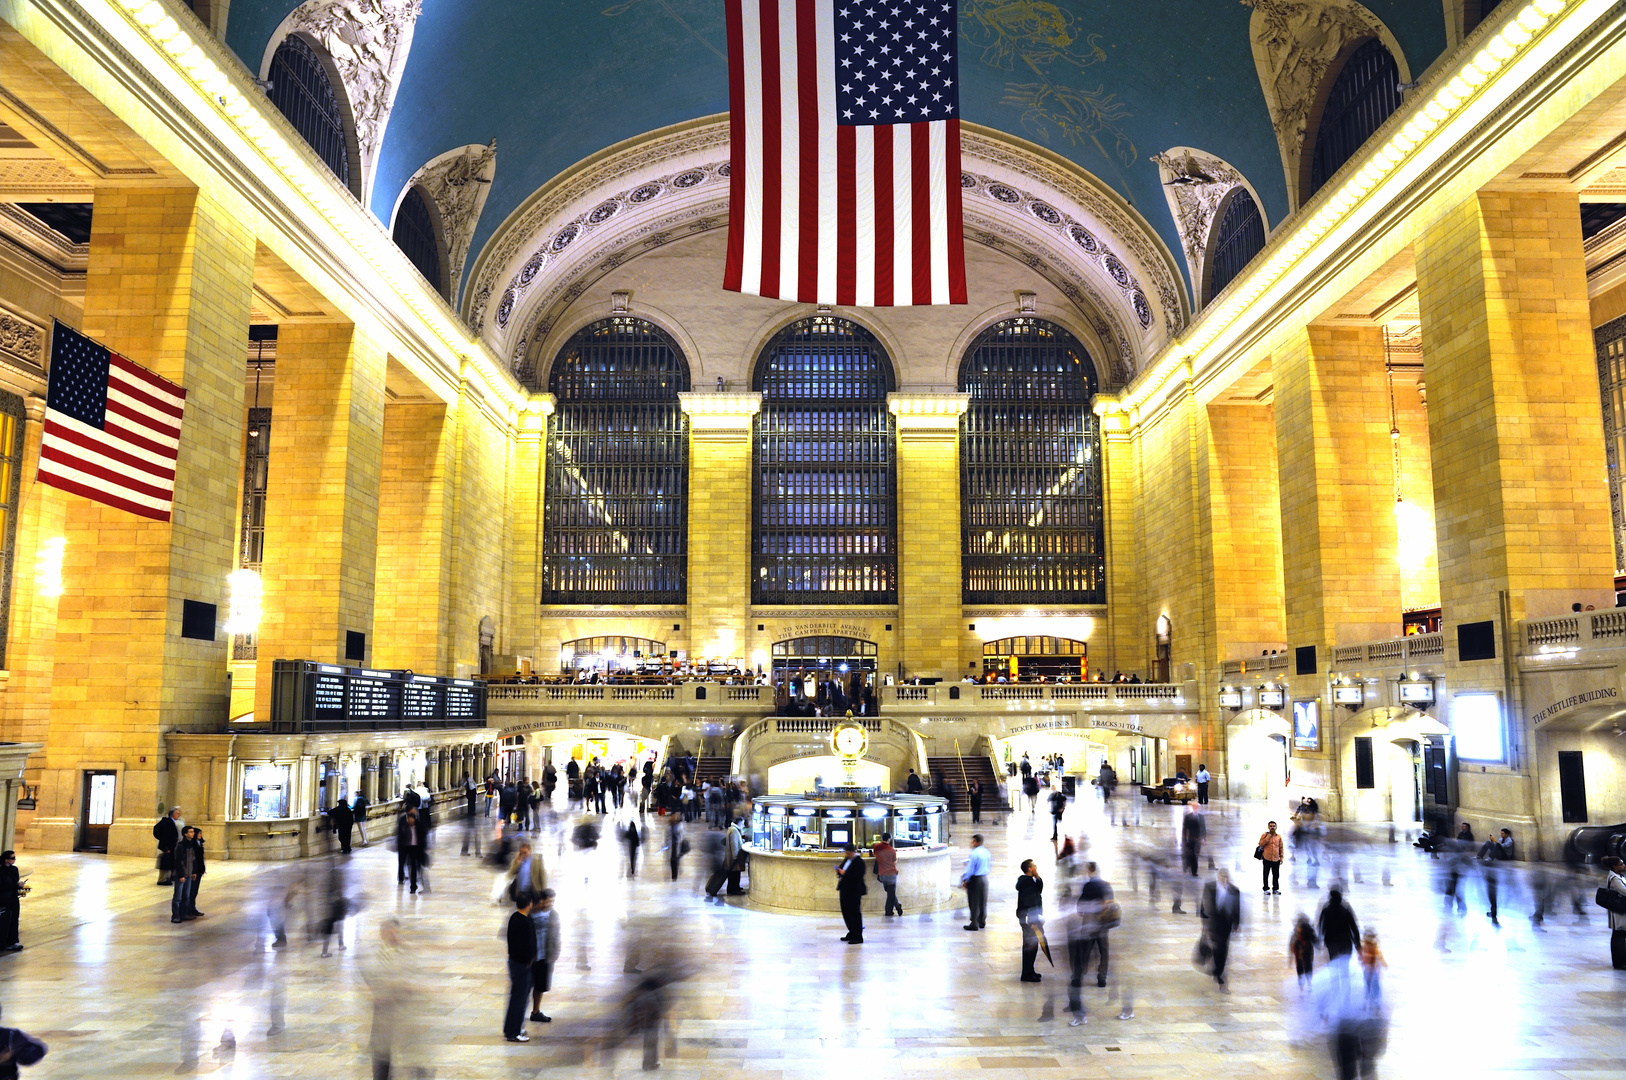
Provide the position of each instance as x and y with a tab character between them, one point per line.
935	413
23	341
710	411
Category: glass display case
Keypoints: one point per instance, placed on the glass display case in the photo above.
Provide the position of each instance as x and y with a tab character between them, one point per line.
796	823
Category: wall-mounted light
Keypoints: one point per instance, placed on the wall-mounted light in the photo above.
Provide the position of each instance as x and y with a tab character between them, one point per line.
48	566
243	614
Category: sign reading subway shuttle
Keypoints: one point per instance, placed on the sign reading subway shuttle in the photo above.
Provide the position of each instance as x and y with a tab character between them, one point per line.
308	696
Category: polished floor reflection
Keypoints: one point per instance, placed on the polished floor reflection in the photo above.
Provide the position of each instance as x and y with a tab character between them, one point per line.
115	989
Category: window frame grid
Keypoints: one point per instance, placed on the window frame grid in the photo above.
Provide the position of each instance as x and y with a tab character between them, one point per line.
315	109
1239	236
617	469
824	469
417	233
1030	469
1365	93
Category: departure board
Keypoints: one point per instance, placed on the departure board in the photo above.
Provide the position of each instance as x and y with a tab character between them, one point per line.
423	699
464	701
307	696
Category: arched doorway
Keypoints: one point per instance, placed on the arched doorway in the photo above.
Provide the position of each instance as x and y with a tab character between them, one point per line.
1256	756
827	674
1383	775
610	654
1036	656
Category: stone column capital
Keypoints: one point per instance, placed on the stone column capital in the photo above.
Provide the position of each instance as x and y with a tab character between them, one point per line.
725	413
927	414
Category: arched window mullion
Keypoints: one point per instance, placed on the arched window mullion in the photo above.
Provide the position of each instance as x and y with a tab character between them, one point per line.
1239	237
1365	94
615	523
417	234
1030	460
301	89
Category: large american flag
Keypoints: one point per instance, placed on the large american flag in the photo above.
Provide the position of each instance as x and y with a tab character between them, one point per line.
112	428
844	119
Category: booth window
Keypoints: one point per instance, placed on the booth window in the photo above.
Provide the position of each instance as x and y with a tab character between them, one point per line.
1365	94
417	233
302	89
825	513
11	460
265	792
615	524
1030	469
1239	237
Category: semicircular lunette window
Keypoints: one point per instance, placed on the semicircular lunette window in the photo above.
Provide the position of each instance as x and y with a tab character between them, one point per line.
301	91
615	524
1366	93
1241	236
1030	469
825	509
417	234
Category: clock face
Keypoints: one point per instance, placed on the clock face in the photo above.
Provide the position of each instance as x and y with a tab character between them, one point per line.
850	741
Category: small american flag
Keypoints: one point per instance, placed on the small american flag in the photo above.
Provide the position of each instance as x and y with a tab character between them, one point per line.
112	428
844	120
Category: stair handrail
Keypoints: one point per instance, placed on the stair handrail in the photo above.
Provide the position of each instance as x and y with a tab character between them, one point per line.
959	757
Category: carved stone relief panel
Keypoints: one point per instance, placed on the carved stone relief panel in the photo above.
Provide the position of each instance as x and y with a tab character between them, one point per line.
458	181
1196	184
1295	43
368	41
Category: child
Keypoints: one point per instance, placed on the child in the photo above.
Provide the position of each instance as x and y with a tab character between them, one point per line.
1301	946
1371	961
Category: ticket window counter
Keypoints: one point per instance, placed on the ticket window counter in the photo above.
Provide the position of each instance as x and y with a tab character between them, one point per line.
267	792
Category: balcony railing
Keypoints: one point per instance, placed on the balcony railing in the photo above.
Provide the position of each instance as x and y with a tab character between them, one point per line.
1069	695
1392	651
1254	664
1578	629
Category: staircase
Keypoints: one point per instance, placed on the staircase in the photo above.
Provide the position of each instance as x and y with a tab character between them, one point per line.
714	769
976	768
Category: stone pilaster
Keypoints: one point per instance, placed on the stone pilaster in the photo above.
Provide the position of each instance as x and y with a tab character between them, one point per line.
414	572
168	285
720	507
1243	512
321	527
526	482
929	540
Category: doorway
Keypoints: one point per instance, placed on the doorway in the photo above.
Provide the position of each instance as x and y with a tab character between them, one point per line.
1572	786
96	801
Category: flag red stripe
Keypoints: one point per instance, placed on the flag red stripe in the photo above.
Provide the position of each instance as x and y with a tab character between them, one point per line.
102	496
139	393
117	479
79	438
734	268
772	181
883	216
137	438
156	382
921	203
956	220
846	214
807	91
148	421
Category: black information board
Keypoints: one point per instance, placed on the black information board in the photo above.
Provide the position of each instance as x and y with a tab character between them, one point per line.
308	696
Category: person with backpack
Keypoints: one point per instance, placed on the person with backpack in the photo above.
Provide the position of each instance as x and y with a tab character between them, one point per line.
1612	897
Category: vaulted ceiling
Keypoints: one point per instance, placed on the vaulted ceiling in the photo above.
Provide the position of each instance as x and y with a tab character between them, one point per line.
1106	84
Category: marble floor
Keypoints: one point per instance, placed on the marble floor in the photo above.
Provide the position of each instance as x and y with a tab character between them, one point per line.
116	990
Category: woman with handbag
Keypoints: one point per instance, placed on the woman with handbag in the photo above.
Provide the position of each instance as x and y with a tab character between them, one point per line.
1615	904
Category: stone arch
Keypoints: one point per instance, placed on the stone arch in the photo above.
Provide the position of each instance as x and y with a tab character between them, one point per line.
1296	44
458	183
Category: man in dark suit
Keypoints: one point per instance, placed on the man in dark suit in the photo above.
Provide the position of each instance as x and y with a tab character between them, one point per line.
851	888
168	833
1222	911
343	819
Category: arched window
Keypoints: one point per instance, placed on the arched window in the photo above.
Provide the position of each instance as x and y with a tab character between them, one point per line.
418	234
615	524
1365	94
826	512
1030	469
302	90
1239	236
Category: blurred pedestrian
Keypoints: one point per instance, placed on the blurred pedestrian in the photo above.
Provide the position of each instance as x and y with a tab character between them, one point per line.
546	921
1356	1020
410	850
676	845
974	880
333	908
734	850
851	887
1030	915
976	802
18	1048
521	955
342	820
634	841
1339	932
1301	947
1269	851
1101	913
1221	912
471	820
168	833
1193	829
1058	807
886	871
1372	963
12	891
1615	884
358	814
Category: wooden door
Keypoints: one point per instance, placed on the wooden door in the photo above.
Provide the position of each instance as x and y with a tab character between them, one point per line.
96	803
